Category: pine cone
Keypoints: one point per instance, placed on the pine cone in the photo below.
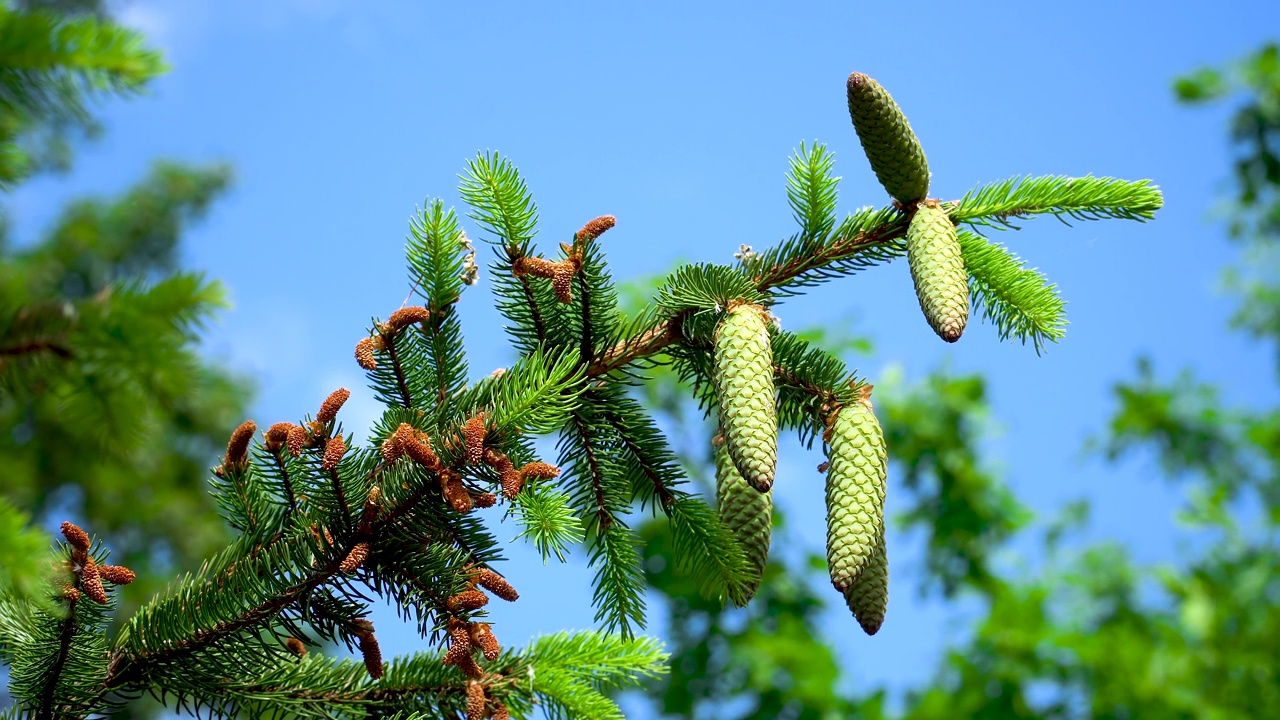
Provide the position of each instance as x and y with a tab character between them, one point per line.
937	267
855	492
868	597
747	513
886	136
744	383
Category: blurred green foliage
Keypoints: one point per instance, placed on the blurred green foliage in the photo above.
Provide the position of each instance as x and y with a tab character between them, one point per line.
108	416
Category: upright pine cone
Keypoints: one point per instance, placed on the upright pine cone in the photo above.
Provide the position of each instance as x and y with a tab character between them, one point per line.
747	513
886	136
868	597
942	284
744	383
855	491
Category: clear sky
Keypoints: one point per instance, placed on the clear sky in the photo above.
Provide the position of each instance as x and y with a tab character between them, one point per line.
678	118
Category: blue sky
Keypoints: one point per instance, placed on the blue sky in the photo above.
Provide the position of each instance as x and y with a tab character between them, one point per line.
678	118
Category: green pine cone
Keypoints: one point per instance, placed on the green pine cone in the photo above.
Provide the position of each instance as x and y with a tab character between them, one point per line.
868	597
886	136
744	384
855	492
747	513
937	267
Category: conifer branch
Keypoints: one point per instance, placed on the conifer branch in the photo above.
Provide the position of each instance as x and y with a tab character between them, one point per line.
66	633
37	346
588	341
405	398
539	325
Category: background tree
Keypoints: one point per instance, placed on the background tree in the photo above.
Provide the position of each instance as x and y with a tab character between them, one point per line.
1088	633
107	413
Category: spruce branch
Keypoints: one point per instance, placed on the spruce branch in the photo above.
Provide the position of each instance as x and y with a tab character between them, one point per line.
1083	198
1019	300
812	190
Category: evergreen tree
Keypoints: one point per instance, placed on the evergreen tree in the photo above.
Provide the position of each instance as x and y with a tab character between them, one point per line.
323	524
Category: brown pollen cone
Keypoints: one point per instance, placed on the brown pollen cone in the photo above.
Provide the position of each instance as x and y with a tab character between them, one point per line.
496	584
372	654
372	505
507	472
364	354
485	500
332	404
391	450
475	701
562	282
460	642
535	266
91	581
355	558
500	711
295	646
539	471
417	445
405	317
468	600
238	446
597	227
297	440
454	491
473	431
277	435
117	574
333	452
76	536
482	637
70	593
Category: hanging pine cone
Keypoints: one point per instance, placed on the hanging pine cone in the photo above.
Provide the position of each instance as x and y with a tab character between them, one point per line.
868	597
886	136
747	513
744	383
855	491
937	267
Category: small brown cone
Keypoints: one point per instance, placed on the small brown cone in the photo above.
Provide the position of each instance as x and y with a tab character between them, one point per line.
297	440
333	452
364	354
296	647
117	574
597	227
372	654
562	283
454	491
238	447
500	711
405	317
496	584
473	432
475	701
354	559
468	600
277	435
76	536
332	404
91	581
482	637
